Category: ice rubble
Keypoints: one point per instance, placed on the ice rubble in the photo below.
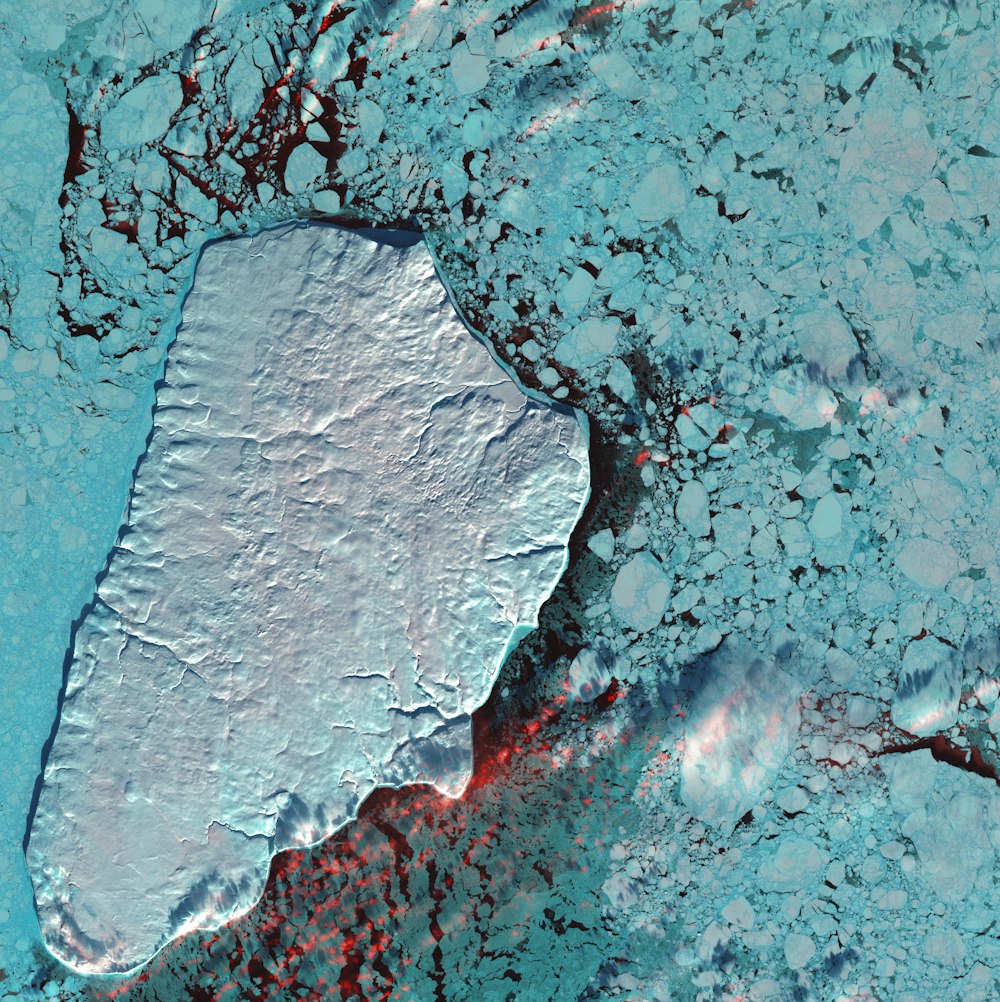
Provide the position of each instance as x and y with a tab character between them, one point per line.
347	512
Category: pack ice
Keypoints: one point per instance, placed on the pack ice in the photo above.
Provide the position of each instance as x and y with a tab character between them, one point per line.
346	515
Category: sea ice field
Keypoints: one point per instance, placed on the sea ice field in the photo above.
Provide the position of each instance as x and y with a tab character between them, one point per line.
535	465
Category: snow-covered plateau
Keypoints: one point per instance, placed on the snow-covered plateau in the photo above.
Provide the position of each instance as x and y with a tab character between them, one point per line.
346	516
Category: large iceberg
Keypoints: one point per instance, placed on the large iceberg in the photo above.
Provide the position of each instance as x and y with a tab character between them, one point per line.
347	514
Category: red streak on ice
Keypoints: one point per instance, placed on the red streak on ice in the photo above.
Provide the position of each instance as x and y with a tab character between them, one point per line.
596	11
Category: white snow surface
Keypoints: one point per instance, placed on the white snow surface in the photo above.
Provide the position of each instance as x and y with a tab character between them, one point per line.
347	514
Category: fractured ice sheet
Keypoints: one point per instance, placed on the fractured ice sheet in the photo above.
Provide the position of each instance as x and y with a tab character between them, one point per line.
346	515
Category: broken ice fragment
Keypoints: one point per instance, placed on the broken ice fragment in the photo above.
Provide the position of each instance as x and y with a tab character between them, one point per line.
826	343
588	676
143	113
800	401
620	380
927	694
517	207
794	865
603	544
470	70
692	508
661	194
690	435
572	297
798	950
827	517
640	592
738	912
732	531
618	75
929	563
588	344
743	716
949	816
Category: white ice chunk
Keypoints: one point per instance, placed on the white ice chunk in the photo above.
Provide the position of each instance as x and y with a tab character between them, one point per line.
949	816
518	208
796	864
142	113
739	913
588	344
469	70
603	544
640	592
661	194
588	676
305	166
960	329
620	380
801	402
371	118
618	75
799	950
732	531
691	508
960	463
827	517
690	435
347	513
929	563
573	296
929	687
826	342
743	717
